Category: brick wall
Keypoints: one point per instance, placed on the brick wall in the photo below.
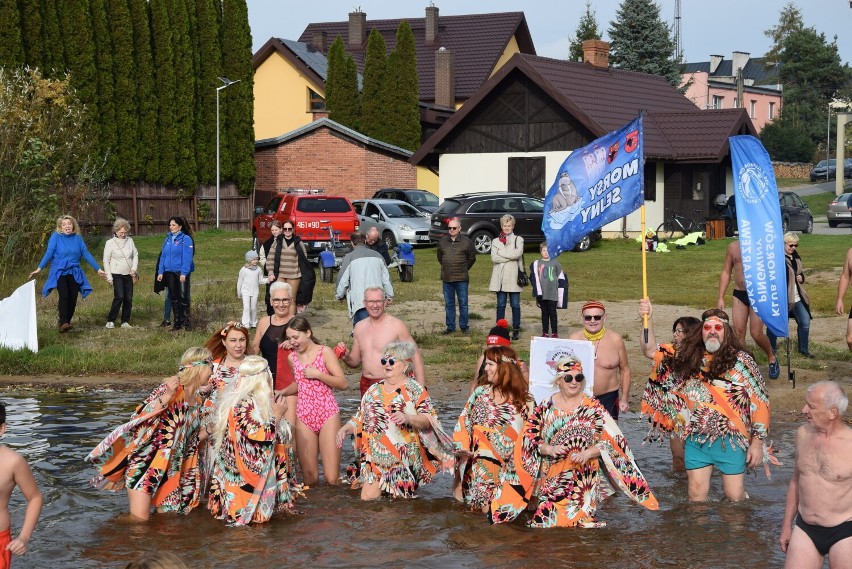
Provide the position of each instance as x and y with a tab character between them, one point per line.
324	160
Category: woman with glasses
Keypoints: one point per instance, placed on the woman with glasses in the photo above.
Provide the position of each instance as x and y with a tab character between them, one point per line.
399	442
507	253
155	455
489	426
798	303
567	443
284	255
229	346
271	342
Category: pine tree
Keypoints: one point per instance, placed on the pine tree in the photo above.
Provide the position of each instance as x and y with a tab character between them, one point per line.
11	43
335	76
209	59
402	91
373	119
162	42
351	111
31	32
105	82
145	140
587	29
75	24
789	21
186	174
125	165
238	99
53	58
641	41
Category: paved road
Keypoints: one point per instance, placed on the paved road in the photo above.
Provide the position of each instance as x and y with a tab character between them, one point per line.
820	224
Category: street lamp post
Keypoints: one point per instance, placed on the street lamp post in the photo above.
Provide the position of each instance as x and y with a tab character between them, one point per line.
225	84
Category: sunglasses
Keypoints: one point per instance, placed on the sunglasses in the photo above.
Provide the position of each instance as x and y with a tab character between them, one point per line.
792	245
388	360
451	228
568	378
287	228
590	317
717	327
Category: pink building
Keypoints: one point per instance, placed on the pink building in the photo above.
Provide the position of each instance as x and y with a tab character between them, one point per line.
714	84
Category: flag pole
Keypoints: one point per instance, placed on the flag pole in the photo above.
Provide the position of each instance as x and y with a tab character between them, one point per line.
644	271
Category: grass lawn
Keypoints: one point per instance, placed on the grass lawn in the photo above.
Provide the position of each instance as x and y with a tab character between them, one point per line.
610	271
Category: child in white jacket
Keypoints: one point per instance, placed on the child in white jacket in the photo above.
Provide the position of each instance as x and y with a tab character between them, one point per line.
248	288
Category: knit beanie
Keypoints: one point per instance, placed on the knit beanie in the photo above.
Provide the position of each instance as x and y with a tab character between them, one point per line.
499	335
251	255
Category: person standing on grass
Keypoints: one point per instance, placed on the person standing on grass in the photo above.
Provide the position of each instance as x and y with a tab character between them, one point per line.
798	303
121	259
842	285
175	266
549	287
507	252
743	314
14	471
65	250
456	256
248	288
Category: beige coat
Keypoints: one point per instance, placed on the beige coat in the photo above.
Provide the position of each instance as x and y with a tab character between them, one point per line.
507	263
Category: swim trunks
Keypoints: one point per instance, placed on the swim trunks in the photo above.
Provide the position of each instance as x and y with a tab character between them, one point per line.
366	382
742	296
721	453
609	402
5	554
824	538
316	402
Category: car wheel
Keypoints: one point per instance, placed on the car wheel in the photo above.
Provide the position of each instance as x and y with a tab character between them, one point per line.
809	228
832	224
785	223
482	242
406	273
583	245
389	239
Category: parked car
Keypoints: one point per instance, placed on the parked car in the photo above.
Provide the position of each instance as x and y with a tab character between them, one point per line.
818	172
315	216
421	199
480	215
840	210
795	215
397	221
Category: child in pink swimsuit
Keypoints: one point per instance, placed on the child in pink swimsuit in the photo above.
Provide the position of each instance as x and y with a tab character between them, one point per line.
317	372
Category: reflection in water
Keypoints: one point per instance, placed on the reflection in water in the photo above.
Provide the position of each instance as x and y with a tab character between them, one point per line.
83	527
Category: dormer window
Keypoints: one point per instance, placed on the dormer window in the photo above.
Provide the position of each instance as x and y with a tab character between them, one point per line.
315	101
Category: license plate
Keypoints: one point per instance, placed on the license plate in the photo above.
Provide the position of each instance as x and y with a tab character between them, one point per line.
846	214
436	223
423	238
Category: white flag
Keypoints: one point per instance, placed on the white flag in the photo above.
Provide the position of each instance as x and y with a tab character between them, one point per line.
18	328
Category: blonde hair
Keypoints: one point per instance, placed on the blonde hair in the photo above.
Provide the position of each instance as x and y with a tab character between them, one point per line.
254	382
120	223
62	218
791	238
506	218
192	366
157	560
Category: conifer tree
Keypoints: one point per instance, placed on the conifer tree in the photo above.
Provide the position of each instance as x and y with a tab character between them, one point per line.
162	42
125	166
105	144
31	32
53	58
587	29
402	91
145	143
373	119
209	58
186	174
11	43
641	41
238	99
334	79
75	24
789	21
349	113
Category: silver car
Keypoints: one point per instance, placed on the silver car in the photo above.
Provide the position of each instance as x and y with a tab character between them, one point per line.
840	210
397	221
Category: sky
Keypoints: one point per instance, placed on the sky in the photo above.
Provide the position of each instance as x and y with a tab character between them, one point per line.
717	27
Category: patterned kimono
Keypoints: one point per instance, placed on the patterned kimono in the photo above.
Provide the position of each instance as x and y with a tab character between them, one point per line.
252	476
568	493
156	452
222	377
399	458
662	401
489	431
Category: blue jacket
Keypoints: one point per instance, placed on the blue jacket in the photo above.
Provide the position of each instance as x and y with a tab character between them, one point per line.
64	253
176	257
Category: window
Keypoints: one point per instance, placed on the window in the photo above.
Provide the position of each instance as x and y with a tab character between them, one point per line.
315	101
771	111
717	102
751	108
484	206
323	205
371	210
273	204
533	205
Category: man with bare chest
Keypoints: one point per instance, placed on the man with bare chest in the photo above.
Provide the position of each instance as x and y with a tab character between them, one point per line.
371	335
742	313
612	372
818	515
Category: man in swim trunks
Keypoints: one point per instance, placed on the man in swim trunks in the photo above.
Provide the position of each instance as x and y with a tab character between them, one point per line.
611	368
743	314
374	333
728	407
820	493
14	471
842	285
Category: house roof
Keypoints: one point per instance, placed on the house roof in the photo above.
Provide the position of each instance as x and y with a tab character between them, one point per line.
477	41
759	69
304	57
338	128
605	99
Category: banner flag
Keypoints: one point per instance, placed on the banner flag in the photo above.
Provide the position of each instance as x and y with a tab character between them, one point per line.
596	184
760	232
18	328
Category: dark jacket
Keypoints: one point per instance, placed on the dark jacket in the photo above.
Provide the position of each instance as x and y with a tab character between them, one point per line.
456	258
794	269
381	248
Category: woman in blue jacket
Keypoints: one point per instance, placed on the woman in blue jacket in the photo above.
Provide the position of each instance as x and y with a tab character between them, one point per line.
175	266
65	250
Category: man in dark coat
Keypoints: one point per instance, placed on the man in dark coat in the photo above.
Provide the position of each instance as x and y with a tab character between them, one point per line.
456	256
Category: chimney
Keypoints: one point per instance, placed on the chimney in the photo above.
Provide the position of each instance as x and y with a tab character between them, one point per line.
357	29
319	41
715	60
445	78
431	24
740	60
596	52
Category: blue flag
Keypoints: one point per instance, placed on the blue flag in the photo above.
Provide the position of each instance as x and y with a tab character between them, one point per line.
595	185
760	231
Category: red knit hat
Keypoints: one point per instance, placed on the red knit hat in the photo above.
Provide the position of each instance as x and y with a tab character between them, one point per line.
499	335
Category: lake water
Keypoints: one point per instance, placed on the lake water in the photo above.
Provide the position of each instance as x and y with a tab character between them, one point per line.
84	527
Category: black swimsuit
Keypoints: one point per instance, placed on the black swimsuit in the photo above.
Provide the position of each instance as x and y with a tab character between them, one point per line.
269	345
824	538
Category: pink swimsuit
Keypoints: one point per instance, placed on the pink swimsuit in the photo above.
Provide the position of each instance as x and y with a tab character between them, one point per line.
316	402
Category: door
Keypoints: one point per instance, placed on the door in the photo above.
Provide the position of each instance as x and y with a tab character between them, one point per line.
526	176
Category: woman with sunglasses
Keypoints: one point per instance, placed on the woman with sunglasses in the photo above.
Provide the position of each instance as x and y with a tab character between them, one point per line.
398	439
155	455
284	255
559	460
489	426
229	346
798	303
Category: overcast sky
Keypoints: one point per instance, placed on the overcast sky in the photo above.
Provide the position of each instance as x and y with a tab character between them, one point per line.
708	26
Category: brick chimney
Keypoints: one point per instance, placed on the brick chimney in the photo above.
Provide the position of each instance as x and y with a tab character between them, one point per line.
445	78
357	29
319	41
431	24
596	52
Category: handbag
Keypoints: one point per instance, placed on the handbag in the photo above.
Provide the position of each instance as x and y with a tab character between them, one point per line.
523	279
